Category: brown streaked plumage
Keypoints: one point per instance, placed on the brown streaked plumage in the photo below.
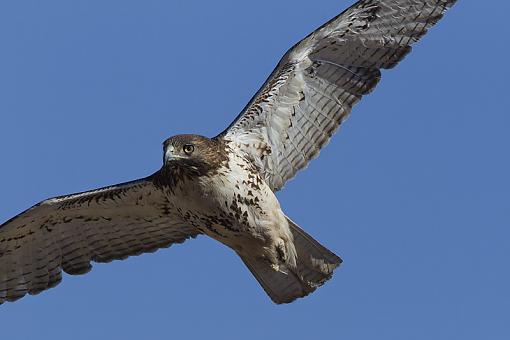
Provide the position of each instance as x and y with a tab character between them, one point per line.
224	187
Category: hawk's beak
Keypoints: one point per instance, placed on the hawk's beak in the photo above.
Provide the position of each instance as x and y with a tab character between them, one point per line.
169	154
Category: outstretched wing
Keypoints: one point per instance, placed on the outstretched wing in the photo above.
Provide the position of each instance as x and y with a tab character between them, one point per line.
317	82
68	232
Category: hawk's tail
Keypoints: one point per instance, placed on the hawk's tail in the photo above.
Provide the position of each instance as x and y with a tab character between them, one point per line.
315	265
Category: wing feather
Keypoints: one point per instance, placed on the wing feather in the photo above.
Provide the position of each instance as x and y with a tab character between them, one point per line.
68	232
318	81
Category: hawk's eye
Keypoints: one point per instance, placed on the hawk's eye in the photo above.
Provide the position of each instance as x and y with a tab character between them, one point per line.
188	149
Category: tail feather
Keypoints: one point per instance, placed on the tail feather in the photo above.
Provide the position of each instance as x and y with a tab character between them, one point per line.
315	265
282	286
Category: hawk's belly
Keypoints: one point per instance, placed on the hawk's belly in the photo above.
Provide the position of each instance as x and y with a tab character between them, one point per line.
234	206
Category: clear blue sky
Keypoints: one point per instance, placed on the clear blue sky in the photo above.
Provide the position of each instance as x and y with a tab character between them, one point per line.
413	192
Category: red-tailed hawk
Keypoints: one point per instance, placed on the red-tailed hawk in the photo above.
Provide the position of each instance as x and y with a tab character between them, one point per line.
224	187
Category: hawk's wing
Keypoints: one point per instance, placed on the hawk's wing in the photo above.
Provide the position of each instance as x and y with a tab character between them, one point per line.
317	82
68	232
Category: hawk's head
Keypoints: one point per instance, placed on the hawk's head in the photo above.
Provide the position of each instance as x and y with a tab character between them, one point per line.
193	151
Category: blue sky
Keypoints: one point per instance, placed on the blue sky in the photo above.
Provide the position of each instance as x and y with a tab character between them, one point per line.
413	192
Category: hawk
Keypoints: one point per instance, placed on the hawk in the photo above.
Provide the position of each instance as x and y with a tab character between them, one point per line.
224	187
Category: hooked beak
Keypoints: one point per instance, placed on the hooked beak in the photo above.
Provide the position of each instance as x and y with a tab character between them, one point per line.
169	154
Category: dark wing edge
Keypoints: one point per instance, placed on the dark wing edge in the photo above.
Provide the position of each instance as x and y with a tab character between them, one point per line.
318	81
68	232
